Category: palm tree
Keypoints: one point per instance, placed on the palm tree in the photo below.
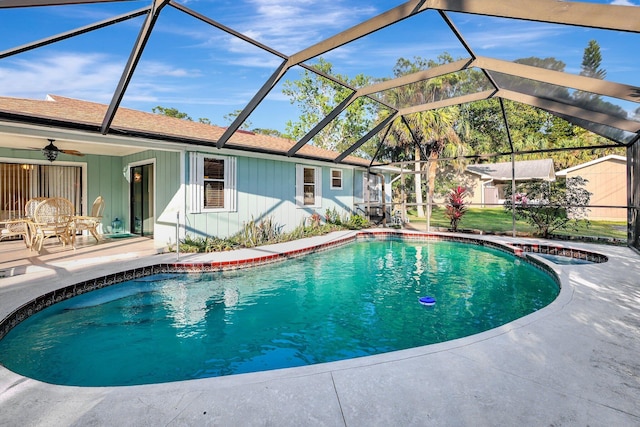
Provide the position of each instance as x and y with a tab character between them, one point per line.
434	133
427	134
434	130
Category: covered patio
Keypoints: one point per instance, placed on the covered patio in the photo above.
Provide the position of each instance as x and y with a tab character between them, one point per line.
17	260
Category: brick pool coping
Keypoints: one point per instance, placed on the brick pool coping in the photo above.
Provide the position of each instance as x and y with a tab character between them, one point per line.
518	249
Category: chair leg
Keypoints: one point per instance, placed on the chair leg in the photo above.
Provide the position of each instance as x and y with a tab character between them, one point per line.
94	234
36	244
30	235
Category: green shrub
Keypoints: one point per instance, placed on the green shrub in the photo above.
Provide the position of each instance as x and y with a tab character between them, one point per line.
357	222
252	234
268	232
205	244
192	244
332	216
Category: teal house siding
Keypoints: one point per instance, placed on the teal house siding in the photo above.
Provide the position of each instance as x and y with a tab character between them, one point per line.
266	190
104	175
358	186
340	200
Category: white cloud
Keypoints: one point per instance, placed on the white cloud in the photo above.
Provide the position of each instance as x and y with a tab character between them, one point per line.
257	62
88	76
289	28
78	75
509	35
159	69
623	3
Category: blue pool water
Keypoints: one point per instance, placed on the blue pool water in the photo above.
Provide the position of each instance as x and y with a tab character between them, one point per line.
356	300
564	260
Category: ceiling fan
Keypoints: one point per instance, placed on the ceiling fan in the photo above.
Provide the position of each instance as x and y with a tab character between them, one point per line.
51	151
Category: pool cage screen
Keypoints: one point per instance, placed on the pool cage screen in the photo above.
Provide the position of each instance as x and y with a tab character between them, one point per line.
609	215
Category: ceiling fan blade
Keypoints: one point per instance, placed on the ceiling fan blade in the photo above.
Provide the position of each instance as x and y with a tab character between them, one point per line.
72	152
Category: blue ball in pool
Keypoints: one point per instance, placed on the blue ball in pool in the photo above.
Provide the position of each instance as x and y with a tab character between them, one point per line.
428	301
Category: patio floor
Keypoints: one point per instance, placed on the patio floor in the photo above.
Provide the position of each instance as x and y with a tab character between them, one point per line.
16	259
574	362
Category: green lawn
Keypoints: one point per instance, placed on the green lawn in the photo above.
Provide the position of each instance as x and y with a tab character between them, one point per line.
497	220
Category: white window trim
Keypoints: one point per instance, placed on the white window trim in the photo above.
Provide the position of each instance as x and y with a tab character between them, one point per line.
196	183
300	186
341	179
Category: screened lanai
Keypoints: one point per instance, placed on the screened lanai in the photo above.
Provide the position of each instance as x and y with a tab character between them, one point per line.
359	78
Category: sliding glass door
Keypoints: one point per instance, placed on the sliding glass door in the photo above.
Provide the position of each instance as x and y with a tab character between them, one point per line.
20	182
141	206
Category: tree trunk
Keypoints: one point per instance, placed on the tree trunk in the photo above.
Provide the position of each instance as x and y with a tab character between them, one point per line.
433	168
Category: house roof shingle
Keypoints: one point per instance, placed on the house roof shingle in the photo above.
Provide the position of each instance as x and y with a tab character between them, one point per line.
91	114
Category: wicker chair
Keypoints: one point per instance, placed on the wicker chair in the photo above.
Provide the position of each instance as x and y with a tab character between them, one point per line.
16	228
53	218
30	206
92	222
20	227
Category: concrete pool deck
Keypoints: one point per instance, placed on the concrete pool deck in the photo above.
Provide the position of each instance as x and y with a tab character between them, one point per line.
574	362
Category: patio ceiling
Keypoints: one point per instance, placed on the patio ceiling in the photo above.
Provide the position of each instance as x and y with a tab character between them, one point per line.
504	79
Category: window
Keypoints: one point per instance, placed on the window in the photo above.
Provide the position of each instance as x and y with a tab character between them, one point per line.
308	186
212	183
336	179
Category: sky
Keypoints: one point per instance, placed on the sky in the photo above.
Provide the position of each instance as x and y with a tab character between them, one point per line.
206	73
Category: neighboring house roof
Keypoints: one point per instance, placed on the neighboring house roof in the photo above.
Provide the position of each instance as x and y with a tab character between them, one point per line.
524	170
564	172
132	122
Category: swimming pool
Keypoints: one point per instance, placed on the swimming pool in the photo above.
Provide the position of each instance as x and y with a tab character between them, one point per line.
352	301
564	260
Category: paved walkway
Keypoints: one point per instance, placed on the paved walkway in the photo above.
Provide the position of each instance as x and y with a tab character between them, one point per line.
574	363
